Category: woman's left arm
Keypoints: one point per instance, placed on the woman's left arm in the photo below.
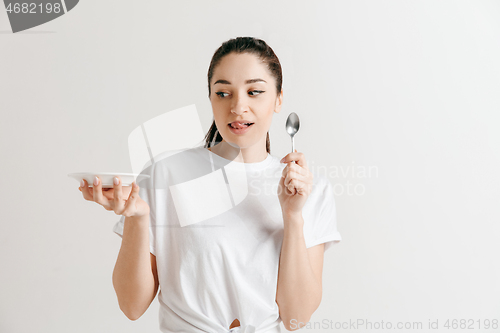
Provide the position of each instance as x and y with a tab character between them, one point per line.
300	270
299	277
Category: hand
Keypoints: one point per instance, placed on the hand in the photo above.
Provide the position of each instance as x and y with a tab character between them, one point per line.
113	198
295	184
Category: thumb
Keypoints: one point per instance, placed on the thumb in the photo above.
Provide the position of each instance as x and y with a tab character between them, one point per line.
130	206
134	193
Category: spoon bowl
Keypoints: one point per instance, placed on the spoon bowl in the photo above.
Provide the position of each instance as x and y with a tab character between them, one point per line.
292	127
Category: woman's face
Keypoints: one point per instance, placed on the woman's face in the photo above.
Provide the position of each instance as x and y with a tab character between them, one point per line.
243	89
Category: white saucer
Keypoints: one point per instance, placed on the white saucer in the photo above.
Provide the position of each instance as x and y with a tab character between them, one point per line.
107	178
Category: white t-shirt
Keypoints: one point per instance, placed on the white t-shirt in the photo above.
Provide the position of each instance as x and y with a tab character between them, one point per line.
216	229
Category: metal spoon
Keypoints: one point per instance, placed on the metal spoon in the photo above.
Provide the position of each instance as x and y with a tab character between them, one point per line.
292	126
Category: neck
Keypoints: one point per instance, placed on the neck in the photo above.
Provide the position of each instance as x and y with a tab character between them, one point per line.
253	154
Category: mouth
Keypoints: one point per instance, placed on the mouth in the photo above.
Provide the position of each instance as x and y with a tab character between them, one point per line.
237	125
239	128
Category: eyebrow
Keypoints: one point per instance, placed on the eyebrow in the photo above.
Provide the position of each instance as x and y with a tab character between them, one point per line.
247	81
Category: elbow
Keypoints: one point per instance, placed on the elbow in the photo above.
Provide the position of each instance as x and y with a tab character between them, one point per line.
132	318
130	314
129	311
129	306
295	324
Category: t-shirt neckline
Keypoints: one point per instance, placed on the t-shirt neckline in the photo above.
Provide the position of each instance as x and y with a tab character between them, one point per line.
221	161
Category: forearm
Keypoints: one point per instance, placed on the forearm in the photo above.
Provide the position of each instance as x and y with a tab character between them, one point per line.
299	292
133	278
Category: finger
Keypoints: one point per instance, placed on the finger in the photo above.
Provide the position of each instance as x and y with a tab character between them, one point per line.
118	201
287	159
293	174
304	182
288	178
86	191
97	193
297	181
108	193
285	171
130	207
296	157
298	169
300	159
289	183
281	184
283	187
300	186
291	189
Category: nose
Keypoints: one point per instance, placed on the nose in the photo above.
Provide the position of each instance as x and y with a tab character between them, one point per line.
239	104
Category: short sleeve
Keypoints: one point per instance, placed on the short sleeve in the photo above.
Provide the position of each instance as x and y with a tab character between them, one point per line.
147	193
320	217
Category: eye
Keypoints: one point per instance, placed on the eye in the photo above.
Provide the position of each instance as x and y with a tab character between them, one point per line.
255	91
220	94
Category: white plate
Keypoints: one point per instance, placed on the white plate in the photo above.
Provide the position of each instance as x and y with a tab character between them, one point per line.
107	178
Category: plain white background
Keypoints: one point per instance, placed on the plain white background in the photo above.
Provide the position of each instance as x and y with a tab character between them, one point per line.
408	88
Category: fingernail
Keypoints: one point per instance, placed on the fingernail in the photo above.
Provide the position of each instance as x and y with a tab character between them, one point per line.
116	181
96	181
282	160
82	183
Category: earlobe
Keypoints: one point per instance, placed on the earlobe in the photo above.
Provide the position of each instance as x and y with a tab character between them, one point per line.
277	109
279	101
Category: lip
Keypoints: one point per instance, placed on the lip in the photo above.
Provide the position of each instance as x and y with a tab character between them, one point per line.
239	131
241	121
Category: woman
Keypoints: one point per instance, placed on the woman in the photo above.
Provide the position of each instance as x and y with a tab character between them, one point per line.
265	266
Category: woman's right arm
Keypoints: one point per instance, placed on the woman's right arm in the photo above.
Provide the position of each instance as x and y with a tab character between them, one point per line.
135	276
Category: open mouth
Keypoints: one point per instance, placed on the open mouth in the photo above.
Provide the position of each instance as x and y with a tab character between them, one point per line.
239	126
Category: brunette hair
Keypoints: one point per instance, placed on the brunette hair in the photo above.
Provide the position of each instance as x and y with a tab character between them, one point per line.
243	45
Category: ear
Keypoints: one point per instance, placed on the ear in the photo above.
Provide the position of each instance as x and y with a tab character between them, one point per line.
279	102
